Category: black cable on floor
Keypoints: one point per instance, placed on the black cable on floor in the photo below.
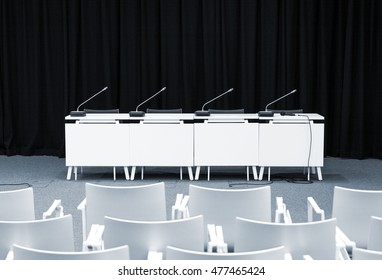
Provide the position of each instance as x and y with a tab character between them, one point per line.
17	184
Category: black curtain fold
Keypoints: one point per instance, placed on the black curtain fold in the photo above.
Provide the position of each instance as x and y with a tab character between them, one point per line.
54	54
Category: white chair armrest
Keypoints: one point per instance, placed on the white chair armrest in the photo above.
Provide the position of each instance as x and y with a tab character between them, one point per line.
288	218
307	257
313	206
288	257
154	256
82	205
10	256
94	242
344	241
281	212
55	210
82	208
342	253
180	209
216	239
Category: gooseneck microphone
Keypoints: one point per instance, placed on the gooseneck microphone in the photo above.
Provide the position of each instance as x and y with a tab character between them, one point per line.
79	113
267	113
137	113
207	113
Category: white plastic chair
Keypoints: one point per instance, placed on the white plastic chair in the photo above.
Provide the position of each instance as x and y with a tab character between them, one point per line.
375	234
365	254
26	253
18	205
174	253
49	234
145	202
222	206
316	239
353	209
143	237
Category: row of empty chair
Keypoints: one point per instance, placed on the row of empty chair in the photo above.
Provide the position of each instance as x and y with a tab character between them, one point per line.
135	217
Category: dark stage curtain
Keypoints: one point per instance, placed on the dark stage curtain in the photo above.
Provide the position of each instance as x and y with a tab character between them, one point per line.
54	54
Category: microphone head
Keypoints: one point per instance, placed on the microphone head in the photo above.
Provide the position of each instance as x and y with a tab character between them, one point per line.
231	89
293	90
163	89
105	88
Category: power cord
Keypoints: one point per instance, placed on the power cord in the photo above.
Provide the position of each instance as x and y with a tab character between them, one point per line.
17	184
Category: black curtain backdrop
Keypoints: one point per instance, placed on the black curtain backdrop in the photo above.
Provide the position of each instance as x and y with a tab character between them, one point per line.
54	54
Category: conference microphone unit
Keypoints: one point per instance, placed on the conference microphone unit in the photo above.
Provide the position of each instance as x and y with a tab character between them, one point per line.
207	113
267	113
137	113
79	113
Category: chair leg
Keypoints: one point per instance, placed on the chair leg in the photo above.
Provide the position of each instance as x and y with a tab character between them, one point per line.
181	173
142	171
208	173
269	173
114	173
247	173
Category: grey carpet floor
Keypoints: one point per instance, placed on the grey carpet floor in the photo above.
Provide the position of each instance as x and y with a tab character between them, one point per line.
47	176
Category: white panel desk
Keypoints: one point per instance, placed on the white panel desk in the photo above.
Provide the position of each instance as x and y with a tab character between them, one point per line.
96	140
186	140
121	140
295	141
162	140
226	140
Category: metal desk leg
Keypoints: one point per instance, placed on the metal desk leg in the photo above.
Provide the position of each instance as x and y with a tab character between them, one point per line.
261	173
254	170
197	172
319	174
133	172
69	174
126	173
190	175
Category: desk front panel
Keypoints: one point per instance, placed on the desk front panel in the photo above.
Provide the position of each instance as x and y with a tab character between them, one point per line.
97	144
226	144
161	144
291	144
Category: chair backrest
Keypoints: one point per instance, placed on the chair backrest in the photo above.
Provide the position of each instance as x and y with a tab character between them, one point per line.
375	234
164	111
17	205
364	254
353	209
50	234
222	206
174	253
26	253
145	236
146	202
317	239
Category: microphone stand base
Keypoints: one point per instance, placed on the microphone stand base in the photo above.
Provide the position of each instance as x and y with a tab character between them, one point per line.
137	114
77	114
202	113
265	114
